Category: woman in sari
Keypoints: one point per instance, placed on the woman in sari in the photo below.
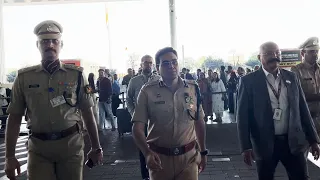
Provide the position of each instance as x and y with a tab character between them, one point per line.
205	91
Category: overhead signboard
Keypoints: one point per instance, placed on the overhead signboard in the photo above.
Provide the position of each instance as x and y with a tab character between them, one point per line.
290	57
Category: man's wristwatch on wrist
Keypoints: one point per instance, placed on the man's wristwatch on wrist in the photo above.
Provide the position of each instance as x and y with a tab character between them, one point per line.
204	153
99	150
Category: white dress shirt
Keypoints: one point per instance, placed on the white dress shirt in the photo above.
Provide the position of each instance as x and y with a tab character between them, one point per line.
280	126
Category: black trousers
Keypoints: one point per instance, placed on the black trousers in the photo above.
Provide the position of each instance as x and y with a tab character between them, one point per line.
295	164
143	165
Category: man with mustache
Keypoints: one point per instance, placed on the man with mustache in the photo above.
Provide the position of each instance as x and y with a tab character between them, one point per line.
176	130
134	87
308	73
57	98
270	130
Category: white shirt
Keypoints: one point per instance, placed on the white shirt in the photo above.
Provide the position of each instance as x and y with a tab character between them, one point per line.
280	126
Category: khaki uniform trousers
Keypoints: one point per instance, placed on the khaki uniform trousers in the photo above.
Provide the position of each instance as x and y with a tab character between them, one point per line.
57	159
183	167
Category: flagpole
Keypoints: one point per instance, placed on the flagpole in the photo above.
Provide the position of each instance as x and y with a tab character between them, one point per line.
109	37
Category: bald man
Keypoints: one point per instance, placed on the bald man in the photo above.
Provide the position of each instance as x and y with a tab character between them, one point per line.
269	129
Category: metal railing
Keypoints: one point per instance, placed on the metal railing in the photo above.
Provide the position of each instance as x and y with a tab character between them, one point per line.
4	118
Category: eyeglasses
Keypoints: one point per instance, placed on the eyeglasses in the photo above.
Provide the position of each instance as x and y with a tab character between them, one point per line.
277	53
48	41
167	63
147	63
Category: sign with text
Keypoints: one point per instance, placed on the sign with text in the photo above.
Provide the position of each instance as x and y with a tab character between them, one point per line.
290	57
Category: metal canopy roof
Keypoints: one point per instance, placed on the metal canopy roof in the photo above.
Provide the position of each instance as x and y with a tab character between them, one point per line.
47	2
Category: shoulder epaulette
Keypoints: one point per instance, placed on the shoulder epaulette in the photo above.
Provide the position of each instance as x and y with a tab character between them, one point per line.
74	67
152	83
190	81
27	69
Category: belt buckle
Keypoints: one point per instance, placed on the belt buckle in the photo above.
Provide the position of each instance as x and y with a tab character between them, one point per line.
176	151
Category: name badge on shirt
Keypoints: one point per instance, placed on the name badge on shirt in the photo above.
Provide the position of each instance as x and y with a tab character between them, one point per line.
57	101
277	114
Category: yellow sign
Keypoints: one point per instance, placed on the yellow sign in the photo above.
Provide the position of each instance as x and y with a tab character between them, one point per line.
286	64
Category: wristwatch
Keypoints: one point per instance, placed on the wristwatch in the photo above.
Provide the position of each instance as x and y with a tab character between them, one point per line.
204	153
99	150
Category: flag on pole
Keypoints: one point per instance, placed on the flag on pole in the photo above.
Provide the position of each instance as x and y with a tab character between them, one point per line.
107	16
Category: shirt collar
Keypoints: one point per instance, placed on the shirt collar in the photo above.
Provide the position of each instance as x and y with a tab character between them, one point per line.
267	73
41	68
309	66
162	84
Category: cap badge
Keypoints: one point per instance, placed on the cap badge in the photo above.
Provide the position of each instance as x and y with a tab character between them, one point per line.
315	42
49	28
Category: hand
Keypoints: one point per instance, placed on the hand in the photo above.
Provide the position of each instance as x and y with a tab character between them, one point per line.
202	164
248	157
315	151
11	165
96	157
108	100
153	161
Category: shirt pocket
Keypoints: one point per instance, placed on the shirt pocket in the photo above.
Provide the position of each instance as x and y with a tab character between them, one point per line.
160	110
69	93
34	97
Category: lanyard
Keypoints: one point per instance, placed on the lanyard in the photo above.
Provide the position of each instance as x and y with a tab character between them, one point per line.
276	94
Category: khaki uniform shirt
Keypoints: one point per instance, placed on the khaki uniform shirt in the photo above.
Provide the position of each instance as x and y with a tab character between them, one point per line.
134	87
310	81
170	124
30	92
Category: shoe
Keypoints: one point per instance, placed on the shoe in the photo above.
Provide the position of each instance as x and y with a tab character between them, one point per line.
146	179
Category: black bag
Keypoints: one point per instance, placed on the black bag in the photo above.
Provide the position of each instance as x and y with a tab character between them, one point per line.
123	119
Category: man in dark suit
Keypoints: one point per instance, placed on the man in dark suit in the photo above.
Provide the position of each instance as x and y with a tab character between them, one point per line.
274	122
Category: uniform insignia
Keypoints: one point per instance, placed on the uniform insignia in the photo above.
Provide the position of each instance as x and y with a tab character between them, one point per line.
187	98
160	102
158	95
34	86
88	89
49	28
315	42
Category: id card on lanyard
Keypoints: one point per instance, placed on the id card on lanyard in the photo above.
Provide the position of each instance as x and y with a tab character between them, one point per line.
277	112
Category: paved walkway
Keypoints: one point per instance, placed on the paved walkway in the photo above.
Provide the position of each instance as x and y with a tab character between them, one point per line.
224	162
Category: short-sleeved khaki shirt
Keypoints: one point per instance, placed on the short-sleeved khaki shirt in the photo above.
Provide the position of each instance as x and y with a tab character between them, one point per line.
33	89
310	81
168	114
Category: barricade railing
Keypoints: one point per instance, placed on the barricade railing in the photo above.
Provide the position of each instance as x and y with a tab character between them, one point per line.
4	118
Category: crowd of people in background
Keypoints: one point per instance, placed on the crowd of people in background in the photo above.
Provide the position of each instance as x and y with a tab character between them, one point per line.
218	88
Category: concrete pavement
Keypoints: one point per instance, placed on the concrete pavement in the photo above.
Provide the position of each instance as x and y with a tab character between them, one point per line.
224	161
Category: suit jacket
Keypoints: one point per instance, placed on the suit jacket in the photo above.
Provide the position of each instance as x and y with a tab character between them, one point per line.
255	116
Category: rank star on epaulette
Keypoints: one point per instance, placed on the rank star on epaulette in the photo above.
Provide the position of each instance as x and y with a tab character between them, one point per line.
88	89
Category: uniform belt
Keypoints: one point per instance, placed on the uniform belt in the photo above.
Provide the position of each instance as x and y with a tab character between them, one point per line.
56	135
176	151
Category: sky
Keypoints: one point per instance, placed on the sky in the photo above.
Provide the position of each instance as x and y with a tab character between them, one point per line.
204	27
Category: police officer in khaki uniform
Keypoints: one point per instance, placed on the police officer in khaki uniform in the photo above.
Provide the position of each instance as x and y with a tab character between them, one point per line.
57	97
308	73
173	111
